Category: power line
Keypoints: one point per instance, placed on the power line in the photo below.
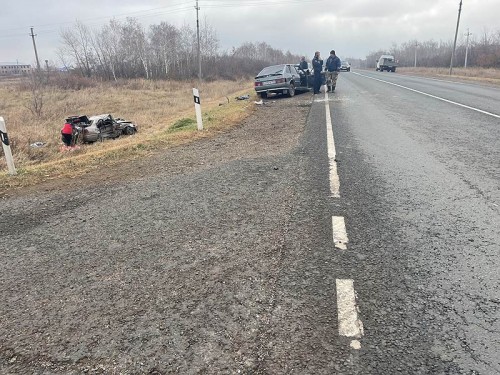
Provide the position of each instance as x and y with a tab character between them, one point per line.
34	47
198	36
170	9
243	3
176	7
467	47
456	34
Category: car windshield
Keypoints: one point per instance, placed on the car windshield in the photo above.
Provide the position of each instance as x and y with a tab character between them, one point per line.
271	70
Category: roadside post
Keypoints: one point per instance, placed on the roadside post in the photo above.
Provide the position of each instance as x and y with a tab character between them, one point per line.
197	107
6	147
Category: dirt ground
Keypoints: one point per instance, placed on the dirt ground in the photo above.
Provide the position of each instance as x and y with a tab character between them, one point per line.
189	285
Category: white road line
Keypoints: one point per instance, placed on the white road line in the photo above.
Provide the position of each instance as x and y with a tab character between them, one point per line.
340	239
349	324
355	344
432	96
334	177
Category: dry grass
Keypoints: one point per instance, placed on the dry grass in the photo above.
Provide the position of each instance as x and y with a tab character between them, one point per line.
490	76
153	106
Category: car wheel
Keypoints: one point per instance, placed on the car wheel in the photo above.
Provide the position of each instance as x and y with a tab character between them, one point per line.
128	130
263	95
291	90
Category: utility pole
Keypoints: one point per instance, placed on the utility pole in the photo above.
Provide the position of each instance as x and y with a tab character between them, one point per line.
416	45
198	35
456	34
467	47
34	47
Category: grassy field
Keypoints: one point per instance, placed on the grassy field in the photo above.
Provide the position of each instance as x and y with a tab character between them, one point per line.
490	76
163	111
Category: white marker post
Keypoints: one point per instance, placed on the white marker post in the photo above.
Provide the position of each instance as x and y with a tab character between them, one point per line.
6	147
197	107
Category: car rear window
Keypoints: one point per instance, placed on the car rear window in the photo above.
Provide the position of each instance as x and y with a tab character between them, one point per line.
275	69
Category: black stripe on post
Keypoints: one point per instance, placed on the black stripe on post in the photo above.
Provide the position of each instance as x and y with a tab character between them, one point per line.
197	99
4	138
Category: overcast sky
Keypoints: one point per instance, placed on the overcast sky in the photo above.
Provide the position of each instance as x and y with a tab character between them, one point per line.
352	27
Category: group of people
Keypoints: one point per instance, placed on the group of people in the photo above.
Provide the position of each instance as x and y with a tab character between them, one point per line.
332	69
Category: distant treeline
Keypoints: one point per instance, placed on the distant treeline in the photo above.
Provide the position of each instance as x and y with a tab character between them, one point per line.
483	51
127	50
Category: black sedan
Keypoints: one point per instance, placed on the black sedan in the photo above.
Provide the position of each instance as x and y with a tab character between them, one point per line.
281	79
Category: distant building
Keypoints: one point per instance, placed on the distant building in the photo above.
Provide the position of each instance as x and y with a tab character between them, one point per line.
14	69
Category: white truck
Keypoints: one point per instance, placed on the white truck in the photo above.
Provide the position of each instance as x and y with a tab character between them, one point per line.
387	62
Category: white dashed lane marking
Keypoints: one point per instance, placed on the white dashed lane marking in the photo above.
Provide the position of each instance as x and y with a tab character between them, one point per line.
340	239
334	178
349	324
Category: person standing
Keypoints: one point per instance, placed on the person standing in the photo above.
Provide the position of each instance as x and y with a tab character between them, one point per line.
303	64
332	65
317	64
67	133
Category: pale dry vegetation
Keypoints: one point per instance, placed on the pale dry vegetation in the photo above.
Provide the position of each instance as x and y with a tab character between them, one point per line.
153	105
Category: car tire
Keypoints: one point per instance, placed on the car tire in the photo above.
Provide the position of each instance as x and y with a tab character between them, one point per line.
348	69
263	95
128	130
291	90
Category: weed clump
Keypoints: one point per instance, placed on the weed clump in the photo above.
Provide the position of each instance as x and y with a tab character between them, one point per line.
183	124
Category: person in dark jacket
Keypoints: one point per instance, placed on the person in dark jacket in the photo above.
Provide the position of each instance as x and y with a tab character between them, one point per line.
303	64
332	66
317	64
304	71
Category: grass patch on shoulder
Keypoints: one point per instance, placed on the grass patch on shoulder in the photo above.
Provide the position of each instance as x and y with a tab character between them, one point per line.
185	123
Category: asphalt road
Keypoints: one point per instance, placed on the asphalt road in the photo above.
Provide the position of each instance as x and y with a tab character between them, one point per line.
219	257
420	191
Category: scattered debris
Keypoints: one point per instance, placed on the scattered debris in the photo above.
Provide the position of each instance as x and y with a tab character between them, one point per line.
37	144
243	97
260	102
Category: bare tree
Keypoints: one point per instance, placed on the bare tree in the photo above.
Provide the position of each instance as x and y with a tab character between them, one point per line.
78	44
35	83
126	50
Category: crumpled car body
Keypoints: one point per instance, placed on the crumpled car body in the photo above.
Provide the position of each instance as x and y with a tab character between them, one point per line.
100	127
127	127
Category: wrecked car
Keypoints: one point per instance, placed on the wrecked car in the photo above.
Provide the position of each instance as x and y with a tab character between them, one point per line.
100	127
